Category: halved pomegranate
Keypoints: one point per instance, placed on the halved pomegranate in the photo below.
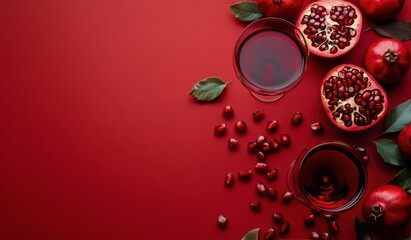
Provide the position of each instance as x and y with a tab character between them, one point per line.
352	98
332	28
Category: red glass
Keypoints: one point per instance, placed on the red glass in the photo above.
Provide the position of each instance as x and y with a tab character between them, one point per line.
270	58
329	178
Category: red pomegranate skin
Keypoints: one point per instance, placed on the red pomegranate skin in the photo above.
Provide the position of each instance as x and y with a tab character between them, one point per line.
280	8
387	208
404	142
388	60
381	9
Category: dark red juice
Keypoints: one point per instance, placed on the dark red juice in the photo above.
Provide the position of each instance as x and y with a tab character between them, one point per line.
270	60
330	177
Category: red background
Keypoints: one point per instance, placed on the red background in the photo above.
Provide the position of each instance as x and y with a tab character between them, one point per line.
99	139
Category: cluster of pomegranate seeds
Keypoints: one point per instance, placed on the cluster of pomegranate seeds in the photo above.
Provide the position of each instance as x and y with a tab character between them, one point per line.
309	221
222	221
258	115
336	36
262	147
296	118
350	83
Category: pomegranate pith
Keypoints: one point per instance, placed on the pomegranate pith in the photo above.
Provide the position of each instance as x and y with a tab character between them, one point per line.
352	99
332	28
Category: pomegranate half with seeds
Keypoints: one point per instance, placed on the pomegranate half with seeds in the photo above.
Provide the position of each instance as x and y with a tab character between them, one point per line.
332	28
352	98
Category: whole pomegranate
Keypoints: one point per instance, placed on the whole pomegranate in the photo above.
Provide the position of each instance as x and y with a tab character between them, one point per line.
381	9
280	8
404	142
388	60
331	27
352	99
388	207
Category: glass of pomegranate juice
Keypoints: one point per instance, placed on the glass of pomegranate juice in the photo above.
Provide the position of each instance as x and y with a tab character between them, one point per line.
270	57
329	178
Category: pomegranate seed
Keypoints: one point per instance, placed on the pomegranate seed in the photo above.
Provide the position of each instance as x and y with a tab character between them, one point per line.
270	234
228	111
275	144
366	158
222	221
241	126
287	196
326	236
285	139
284	227
272	125
244	175
261	189
255	205
272	174
272	193
232	143
229	179
267	148
333	226
317	127
329	217
363	152
314	235
258	115
261	167
261	156
277	217
252	146
296	118
220	129
260	140
309	220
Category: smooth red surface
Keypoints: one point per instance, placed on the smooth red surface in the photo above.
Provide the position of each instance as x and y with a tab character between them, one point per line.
99	139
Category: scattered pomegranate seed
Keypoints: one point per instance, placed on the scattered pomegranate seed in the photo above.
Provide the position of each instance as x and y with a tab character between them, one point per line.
329	217
366	158
244	175
220	129
287	196
314	235
272	125
309	220
296	118
317	128
260	140
267	148
228	111
261	189
284	227
278	217
272	174
261	156
275	144
333	226
222	221
285	139
270	234
255	205
258	115
229	179
272	193
241	126
363	152
232	143
261	167
326	236
252	146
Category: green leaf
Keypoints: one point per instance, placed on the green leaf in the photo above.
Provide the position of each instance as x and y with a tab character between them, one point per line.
398	117
389	151
251	235
246	11
398	29
361	229
208	89
402	179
